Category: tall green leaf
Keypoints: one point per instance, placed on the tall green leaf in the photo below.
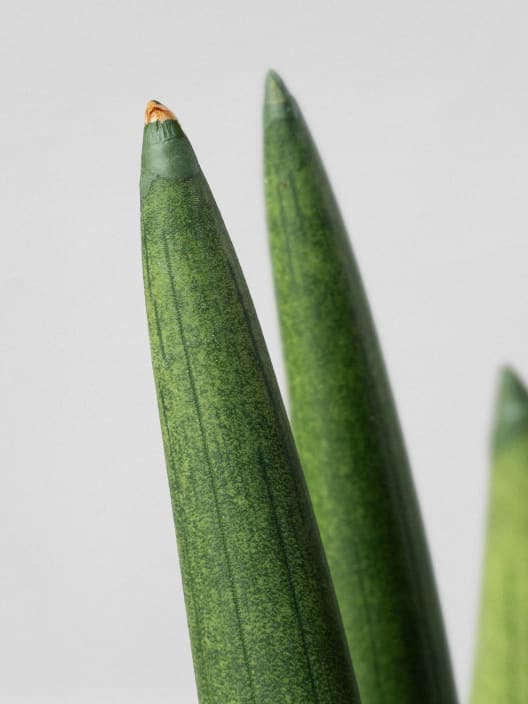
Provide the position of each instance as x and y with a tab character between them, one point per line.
346	429
261	609
501	671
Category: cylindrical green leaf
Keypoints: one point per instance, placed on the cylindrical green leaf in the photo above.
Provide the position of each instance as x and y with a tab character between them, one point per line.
501	668
346	429
262	613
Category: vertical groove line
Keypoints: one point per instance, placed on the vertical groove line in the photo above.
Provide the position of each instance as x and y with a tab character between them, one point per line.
205	446
182	530
272	400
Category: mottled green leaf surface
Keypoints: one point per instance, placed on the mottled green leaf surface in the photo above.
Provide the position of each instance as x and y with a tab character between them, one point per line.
262	614
346	429
501	671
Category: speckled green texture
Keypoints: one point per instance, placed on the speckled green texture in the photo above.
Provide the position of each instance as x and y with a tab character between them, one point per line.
501	671
262	613
346	428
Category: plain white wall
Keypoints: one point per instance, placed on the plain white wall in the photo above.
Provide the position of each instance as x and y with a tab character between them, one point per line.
420	112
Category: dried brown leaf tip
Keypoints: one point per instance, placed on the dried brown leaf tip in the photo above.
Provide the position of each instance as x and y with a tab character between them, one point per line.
157	112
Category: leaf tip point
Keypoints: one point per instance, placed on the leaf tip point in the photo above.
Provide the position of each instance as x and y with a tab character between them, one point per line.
157	112
511	405
275	89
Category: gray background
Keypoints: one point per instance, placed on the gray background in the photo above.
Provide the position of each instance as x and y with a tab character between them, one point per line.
420	111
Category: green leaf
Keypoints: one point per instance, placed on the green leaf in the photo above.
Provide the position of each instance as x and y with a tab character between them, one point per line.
262	613
501	669
346	428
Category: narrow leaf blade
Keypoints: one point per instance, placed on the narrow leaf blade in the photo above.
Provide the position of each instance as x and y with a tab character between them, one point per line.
261	609
501	667
346	428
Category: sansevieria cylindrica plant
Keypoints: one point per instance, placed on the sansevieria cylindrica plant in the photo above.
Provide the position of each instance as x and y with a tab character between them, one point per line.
303	557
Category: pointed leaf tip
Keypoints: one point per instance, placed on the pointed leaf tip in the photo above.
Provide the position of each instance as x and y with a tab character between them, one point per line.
511	407
278	102
275	89
157	112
